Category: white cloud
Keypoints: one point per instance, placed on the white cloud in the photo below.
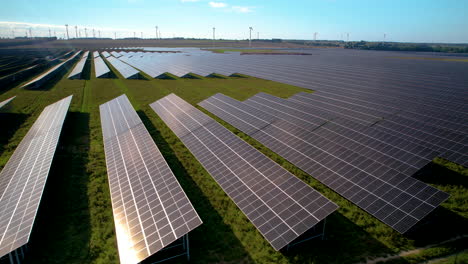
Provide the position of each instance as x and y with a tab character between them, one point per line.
217	4
242	9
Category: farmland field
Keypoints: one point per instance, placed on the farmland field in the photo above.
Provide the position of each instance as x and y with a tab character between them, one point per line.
75	215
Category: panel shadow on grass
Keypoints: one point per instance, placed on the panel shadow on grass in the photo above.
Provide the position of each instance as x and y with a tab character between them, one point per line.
213	239
442	223
344	242
62	229
10	123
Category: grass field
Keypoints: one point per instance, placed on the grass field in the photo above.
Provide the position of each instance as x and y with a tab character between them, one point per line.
75	223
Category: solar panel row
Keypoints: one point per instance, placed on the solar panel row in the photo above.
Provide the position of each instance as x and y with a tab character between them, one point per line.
77	71
279	205
351	170
100	68
127	71
23	178
430	113
150	208
41	79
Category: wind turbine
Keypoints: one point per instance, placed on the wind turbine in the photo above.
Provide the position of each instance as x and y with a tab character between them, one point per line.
134	34
214	30
347	35
86	32
141	35
258	35
156	27
384	35
13	33
94	33
30	33
250	36
66	25
115	35
76	31
315	36
49	34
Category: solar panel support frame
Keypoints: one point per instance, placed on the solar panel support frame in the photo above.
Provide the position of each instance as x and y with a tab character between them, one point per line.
185	245
321	235
16	256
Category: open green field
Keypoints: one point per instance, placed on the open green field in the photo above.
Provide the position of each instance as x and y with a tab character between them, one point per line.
75	222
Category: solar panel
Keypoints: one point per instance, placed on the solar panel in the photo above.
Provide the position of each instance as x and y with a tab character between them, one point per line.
105	54
100	68
76	73
2	104
38	81
23	178
150	208
394	198
95	54
279	205
127	71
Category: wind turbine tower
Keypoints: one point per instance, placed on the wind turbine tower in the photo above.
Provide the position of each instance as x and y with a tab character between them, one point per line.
49	34
214	30
30	33
99	32
315	36
76	31
156	27
134	34
86	32
250	37
384	36
115	35
141	35
94	33
347	36
66	25
258	35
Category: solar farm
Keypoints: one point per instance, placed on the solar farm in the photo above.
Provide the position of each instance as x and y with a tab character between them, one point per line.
185	155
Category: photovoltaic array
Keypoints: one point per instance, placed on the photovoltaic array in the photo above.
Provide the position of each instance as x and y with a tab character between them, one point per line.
342	159
150	208
23	178
127	71
281	206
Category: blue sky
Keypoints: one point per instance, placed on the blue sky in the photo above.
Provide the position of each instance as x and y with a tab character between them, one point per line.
400	20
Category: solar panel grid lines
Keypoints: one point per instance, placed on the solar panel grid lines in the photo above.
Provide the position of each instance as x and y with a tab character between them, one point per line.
391	108
95	54
391	122
3	103
344	136
127	71
279	205
436	124
150	208
345	127
396	200
23	178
